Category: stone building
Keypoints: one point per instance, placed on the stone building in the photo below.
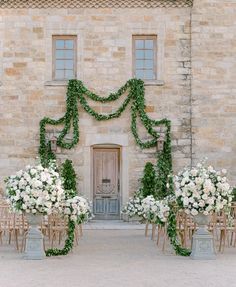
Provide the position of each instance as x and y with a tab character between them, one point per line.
184	50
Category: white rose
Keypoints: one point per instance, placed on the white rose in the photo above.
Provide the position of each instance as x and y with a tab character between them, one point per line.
224	171
194	212
185	201
201	203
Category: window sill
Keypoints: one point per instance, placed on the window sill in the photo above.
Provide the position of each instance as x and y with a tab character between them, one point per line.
56	83
154	83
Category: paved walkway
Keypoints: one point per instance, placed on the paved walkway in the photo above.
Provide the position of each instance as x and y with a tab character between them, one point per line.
112	258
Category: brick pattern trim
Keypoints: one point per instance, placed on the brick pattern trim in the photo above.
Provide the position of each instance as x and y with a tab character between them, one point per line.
18	4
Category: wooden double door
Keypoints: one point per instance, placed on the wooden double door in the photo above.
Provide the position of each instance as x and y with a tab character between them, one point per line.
106	183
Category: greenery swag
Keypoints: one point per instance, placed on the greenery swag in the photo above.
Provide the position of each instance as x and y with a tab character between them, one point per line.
78	93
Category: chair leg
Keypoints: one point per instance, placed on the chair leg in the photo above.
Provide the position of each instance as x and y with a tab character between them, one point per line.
164	242
81	230
153	231
146	229
16	239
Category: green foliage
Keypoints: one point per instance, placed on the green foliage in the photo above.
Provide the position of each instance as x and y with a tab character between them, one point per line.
69	184
78	93
164	183
68	243
69	176
148	182
172	234
234	194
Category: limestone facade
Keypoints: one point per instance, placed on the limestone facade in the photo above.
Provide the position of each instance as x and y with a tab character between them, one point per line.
213	82
202	111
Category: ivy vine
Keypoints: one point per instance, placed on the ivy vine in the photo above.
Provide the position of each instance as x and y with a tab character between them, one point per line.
172	234
69	184
77	93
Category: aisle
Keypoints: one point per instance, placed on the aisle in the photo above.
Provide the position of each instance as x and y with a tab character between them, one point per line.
116	258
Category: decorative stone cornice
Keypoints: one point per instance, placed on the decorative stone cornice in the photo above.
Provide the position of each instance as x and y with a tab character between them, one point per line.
18	4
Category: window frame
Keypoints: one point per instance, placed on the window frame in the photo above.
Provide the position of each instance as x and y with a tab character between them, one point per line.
145	37
63	37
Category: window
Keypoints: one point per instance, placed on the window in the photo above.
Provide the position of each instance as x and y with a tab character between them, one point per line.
144	57
64	57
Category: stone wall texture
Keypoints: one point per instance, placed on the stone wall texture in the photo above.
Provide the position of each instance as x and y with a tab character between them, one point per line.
202	110
104	59
213	82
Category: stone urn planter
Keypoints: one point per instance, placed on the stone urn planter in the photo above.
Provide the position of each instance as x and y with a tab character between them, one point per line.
34	239
202	242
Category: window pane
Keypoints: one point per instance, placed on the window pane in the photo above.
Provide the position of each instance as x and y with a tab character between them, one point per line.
69	64
139	54
59	54
149	54
69	54
69	44
139	74
139	64
148	44
69	74
149	75
148	64
139	44
59	44
59	64
59	74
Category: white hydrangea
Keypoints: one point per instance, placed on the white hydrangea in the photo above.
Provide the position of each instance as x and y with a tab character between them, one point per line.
77	209
155	211
202	189
133	207
36	189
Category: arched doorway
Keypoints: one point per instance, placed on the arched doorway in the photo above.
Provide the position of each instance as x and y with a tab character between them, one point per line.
106	181
117	141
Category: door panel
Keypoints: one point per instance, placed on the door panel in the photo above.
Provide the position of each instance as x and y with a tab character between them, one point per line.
99	206
106	183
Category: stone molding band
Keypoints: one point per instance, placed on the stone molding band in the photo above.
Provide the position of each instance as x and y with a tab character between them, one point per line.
21	4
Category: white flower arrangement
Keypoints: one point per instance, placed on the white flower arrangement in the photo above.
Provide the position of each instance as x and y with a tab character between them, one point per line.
133	207
77	209
155	211
35	189
202	189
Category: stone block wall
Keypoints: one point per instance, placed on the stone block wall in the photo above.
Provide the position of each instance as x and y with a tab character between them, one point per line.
213	83
104	55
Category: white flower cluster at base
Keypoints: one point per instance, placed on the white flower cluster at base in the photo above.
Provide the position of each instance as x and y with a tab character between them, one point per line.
133	207
77	209
148	208
155	211
202	189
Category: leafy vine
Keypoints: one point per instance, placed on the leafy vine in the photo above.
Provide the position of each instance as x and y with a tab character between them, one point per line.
77	93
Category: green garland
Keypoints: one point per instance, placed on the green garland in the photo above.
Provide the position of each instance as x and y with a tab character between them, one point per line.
77	93
172	234
68	243
69	184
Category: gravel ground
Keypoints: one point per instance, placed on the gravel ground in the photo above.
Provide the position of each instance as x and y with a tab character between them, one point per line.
110	258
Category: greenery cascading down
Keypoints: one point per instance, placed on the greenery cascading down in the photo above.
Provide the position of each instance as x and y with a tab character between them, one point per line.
69	184
77	93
